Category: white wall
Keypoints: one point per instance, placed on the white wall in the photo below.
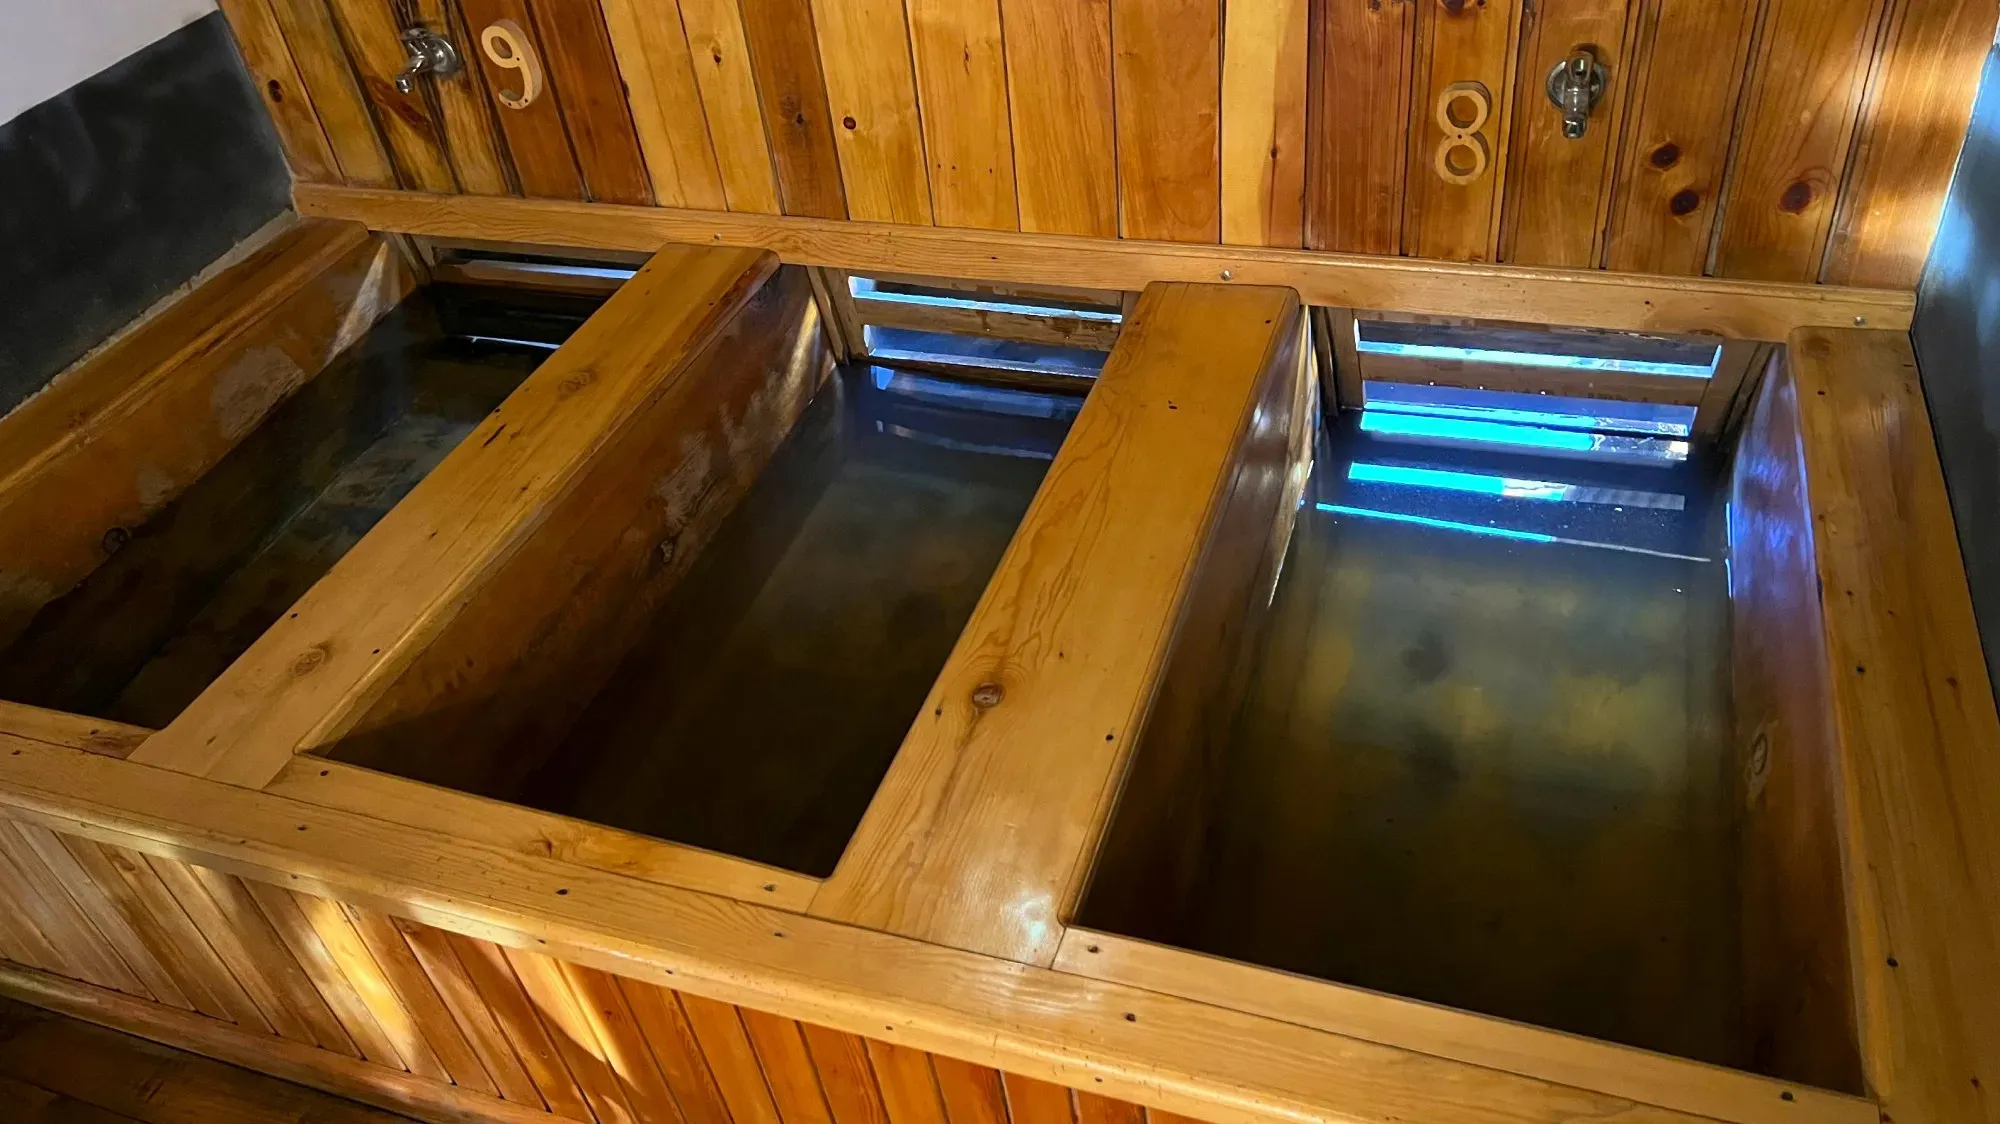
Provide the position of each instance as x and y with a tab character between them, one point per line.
47	46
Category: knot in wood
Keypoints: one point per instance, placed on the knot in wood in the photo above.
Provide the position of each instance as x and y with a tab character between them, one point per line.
987	695
308	661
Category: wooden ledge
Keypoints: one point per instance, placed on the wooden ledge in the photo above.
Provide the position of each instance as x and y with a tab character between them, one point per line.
1580	298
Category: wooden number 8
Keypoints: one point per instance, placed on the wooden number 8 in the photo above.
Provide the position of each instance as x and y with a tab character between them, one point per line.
507	45
1462	110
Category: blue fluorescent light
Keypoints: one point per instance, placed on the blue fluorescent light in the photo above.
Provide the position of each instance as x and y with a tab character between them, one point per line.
1535	359
1507	487
1535	417
862	287
1497	532
1440	524
515	343
1397	424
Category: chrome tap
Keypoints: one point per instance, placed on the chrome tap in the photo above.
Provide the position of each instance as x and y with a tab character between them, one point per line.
429	53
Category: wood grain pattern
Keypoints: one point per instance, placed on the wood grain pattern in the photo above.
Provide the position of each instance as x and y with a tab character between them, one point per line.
1795	137
488	1044
106	917
465	110
961	69
871	92
538	144
1358	125
277	79
846	1077
908	1083
1123	1041
491	974
1457	43
670	1038
989	868
732	1061
1263	123
659	75
332	784
1920	96
113	739
330	81
343	643
1060	102
1919	738
1558	189
583	74
1620	302
1167	76
1669	187
415	136
326	973
785	57
720	54
165	403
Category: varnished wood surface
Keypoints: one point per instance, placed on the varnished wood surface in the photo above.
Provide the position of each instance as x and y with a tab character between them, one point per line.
309	678
1573	297
1200	121
1198	1059
1051	676
113	441
1914	720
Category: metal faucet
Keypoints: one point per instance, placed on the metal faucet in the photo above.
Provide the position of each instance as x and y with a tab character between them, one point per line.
429	53
1575	86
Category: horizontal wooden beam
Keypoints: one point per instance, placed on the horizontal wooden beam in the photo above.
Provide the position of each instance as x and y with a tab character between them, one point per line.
1591	299
1188	1057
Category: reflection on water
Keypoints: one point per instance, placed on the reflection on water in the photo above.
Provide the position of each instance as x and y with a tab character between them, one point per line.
190	589
1481	757
763	706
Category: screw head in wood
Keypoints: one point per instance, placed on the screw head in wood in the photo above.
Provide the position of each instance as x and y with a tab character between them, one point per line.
1228	275
1861	321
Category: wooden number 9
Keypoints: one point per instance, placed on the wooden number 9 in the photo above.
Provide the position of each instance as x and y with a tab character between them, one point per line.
507	45
1462	110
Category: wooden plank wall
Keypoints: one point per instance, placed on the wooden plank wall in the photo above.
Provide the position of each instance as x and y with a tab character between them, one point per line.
361	1003
1792	140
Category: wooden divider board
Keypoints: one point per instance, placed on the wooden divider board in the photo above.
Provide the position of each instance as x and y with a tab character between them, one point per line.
171	398
1043	695
304	682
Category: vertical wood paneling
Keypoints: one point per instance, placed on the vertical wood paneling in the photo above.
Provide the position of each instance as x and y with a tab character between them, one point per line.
653	57
784	54
336	95
962	88
871	90
624	1045
105	913
671	1040
583	73
282	911
1060	102
297	1000
1458	41
486	965
1167	75
1358	124
372	35
1795	137
435	955
845	1075
1557	188
908	1084
575	1037
1919	106
465	113
284	92
537	143
66	938
795	1083
721	58
420	998
972	1093
1264	72
732	1061
528	1031
1690	56
159	921
371	985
